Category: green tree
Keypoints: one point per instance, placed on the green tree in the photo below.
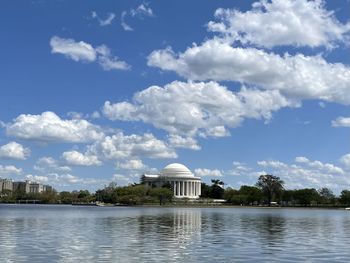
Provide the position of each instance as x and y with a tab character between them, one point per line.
7	196
83	195
109	194
345	197
162	194
288	197
230	195
252	194
271	186
217	189
306	196
133	194
65	197
205	190
326	196
49	197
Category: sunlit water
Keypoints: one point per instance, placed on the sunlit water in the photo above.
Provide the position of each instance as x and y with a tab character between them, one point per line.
37	233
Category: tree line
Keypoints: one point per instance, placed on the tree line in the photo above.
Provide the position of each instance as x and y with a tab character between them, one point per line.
269	190
135	194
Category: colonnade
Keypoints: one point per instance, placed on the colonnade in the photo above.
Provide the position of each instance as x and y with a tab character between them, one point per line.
186	188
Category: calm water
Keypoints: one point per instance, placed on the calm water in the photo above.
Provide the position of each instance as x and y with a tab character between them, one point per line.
30	233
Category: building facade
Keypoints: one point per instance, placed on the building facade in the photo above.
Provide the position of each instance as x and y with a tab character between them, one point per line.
27	187
6	184
183	183
21	186
35	188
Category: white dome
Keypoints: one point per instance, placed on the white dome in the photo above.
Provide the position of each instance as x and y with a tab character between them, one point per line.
176	170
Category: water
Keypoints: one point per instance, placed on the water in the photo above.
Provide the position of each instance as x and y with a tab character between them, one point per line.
37	233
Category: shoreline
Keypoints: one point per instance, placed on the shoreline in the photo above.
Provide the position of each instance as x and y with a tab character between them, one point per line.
184	206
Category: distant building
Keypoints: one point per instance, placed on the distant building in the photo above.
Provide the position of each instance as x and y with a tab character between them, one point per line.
183	183
21	186
6	184
47	188
27	187
35	188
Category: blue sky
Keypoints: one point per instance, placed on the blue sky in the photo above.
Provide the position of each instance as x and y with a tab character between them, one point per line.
94	92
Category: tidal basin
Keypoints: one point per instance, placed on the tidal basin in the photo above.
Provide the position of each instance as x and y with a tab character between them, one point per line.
40	233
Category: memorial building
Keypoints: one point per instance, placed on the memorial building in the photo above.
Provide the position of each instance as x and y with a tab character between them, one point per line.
179	177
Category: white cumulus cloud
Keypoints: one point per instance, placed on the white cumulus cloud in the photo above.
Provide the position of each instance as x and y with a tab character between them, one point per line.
119	146
188	108
82	51
207	172
178	141
282	22
48	127
14	150
133	164
9	170
297	77
121	179
301	159
77	158
345	160
216	131
306	173
341	122
37	178
108	62
239	169
48	164
78	51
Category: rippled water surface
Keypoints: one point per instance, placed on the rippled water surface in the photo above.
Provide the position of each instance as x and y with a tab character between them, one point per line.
38	233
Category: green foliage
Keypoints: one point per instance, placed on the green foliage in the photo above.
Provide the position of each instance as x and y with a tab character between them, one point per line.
246	195
271	187
136	194
65	197
252	194
267	189
306	196
216	190
345	197
108	194
6	196
288	196
326	196
230	195
162	194
205	190
49	197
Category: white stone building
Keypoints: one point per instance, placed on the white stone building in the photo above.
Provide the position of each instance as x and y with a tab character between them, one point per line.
182	181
